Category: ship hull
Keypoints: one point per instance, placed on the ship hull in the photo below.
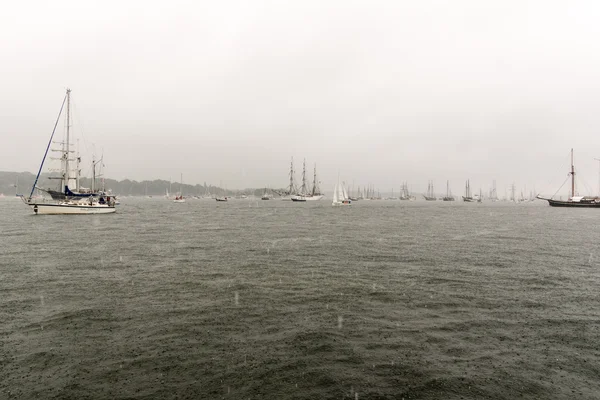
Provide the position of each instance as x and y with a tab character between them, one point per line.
560	203
68	209
307	198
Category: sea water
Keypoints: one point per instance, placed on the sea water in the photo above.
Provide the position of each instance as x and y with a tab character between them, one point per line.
278	300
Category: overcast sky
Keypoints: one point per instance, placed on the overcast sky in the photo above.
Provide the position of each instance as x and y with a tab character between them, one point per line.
381	91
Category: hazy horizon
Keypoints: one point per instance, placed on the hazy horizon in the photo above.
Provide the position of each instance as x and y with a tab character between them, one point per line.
379	92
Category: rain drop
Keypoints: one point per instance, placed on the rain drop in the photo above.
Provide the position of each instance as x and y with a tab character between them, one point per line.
42	300
340	321
236	297
120	258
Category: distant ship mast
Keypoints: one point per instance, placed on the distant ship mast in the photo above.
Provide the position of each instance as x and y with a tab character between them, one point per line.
572	176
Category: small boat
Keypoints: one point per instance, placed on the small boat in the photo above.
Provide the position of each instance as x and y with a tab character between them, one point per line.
223	197
71	202
468	198
574	200
340	196
266	195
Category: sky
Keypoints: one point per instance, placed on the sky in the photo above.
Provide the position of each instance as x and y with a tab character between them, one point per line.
377	92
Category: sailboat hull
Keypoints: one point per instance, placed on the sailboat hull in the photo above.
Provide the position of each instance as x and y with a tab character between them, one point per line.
71	209
584	204
307	198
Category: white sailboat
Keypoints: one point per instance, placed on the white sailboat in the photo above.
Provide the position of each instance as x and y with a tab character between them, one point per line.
179	198
78	203
340	196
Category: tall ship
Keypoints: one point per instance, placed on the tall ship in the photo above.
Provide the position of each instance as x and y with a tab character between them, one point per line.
430	196
307	193
574	200
405	193
448	196
65	200
468	197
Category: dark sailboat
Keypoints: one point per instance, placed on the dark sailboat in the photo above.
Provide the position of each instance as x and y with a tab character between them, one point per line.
430	196
574	201
448	196
468	197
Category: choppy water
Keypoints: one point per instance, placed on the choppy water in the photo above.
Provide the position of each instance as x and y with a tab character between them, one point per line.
277	300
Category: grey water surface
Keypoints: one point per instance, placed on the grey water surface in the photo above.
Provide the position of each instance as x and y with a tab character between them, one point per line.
259	299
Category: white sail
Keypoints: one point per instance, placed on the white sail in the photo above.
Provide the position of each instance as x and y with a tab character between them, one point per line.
336	197
344	193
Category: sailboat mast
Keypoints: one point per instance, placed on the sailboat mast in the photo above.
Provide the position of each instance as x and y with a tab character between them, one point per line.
572	175
68	147
304	189
292	188
93	174
314	188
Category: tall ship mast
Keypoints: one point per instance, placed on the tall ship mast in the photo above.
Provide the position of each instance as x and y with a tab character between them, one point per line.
574	200
304	189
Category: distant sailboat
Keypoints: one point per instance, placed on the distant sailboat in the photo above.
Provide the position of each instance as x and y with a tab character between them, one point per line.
448	196
468	197
223	197
392	197
340	196
179	198
266	195
430	196
405	193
